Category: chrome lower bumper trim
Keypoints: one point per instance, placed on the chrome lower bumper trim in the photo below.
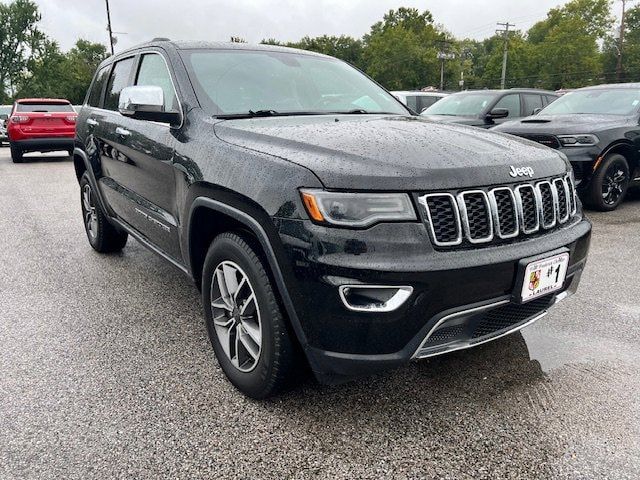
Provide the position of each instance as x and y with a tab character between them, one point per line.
426	352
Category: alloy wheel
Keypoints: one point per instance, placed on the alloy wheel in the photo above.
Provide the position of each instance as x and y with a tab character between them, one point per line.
90	215
613	185
236	316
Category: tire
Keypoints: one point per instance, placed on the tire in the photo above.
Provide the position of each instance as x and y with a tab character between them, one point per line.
16	154
271	367
609	184
102	235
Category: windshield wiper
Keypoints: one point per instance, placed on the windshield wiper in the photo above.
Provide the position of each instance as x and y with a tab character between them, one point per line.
275	113
264	113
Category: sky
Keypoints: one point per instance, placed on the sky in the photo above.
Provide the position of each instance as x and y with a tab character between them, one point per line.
254	20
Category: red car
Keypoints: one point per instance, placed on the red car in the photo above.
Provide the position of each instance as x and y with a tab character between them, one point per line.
41	125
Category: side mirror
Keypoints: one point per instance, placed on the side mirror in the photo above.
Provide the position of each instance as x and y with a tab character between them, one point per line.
498	113
146	103
536	111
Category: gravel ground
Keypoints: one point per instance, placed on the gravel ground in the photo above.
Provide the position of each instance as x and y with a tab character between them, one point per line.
106	372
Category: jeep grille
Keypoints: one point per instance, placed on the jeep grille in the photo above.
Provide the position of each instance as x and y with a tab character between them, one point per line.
483	216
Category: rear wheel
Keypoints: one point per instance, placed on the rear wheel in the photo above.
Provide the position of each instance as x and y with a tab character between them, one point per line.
609	183
102	235
16	154
246	326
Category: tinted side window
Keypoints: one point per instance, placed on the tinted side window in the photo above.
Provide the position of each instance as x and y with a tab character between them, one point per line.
551	99
96	88
117	81
153	71
412	103
531	102
426	102
510	102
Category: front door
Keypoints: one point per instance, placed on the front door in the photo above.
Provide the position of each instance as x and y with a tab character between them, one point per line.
137	157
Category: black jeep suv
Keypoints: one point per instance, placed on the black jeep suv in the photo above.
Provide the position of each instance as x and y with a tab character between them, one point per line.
319	218
598	128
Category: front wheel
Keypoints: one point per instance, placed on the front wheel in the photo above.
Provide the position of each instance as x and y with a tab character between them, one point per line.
102	235
609	183
245	324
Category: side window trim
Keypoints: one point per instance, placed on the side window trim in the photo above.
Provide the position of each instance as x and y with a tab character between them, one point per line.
141	55
108	68
136	69
134	56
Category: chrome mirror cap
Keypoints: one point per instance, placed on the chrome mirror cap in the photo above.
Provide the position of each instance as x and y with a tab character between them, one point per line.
140	98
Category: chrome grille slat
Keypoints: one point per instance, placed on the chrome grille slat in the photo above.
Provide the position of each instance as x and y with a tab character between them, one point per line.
548	200
564	207
483	215
504	211
435	205
528	208
475	215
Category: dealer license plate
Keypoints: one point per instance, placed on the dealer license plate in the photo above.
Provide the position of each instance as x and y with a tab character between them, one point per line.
544	276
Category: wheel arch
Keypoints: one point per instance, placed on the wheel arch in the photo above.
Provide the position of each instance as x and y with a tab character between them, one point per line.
627	150
208	218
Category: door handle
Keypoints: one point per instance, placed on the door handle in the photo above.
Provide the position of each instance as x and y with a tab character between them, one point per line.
91	122
122	132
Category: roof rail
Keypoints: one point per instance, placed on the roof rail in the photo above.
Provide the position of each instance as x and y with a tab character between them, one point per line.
160	39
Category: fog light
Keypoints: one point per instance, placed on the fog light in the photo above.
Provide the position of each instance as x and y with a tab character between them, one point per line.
374	298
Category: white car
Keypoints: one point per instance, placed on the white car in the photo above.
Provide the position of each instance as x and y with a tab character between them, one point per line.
417	100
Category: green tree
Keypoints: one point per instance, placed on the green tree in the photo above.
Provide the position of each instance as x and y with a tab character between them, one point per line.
631	50
565	46
58	75
343	47
402	50
81	63
20	42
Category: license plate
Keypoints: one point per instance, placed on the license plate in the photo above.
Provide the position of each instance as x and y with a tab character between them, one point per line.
544	276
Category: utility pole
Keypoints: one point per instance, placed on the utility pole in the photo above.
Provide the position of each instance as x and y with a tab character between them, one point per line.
621	42
109	26
505	32
444	55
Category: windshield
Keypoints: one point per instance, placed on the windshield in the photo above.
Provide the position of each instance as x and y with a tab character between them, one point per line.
230	82
616	101
461	104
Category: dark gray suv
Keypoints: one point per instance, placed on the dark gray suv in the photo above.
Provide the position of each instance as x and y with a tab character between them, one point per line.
487	108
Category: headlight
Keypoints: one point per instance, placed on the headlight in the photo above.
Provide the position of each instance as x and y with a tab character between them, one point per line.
357	209
580	140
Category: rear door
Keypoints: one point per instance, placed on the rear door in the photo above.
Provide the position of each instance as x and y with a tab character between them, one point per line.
102	124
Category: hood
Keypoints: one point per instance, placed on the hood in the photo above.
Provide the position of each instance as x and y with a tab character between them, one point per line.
374	152
564	124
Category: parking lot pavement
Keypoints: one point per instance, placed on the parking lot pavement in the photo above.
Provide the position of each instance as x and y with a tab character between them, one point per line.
106	372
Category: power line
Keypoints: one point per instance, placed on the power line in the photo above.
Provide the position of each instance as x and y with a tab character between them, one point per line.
505	32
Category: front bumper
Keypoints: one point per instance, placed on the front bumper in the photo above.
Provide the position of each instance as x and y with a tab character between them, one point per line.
582	160
342	344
